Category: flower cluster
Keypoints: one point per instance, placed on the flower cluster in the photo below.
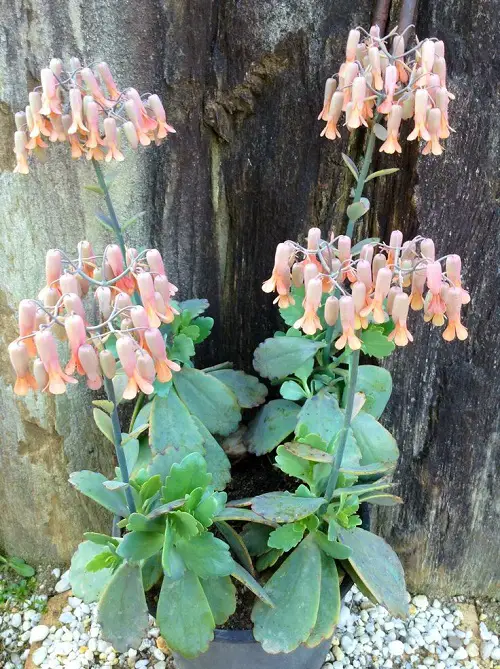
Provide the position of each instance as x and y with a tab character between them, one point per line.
87	110
132	301
377	80
368	286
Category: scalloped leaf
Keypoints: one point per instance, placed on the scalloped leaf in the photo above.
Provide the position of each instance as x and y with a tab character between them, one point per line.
86	585
295	591
122	611
221	596
217	461
329	603
91	484
278	357
210	400
273	423
249	391
376	384
375	442
172	428
283	507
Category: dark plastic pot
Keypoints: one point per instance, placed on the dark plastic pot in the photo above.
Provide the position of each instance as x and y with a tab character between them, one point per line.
237	649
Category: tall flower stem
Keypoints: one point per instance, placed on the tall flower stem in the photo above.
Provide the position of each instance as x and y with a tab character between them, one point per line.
117	441
354	357
111	210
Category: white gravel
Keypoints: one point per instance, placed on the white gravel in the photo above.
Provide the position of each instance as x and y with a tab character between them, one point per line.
367	636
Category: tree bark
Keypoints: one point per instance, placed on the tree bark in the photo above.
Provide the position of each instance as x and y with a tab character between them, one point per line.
243	85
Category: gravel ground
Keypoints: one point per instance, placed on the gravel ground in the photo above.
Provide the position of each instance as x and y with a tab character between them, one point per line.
437	634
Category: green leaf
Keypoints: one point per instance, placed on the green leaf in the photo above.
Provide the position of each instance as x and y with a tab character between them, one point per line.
137	522
241	575
106	405
279	357
104	220
333	549
380	131
357	209
191	331
100	539
221	595
375	343
184	525
290	390
351	166
376	385
204	325
128	223
103	422
273	423
382	173
255	537
172	429
237	544
137	546
184	615
329	603
184	477
195	306
131	449
165	509
268	559
172	563
150	488
162	389
152	571
104	560
283	507
307	452
286	537
305	371
369	240
211	504
206	555
379	569
294	466
295	591
20	567
215	457
242	515
375	442
295	311
85	585
249	391
182	349
122	611
208	399
382	500
91	484
94	189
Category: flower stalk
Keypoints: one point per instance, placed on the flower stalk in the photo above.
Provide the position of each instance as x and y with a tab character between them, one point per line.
111	210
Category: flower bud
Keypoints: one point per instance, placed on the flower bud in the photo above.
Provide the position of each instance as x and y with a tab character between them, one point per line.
50	297
347	311
374	60
126	347
383	283
19	357
358	295
331	310
56	66
108	364
313	239
69	284
427	249
379	261
155	262
344	248
400	306
103	297
154	340
74	305
352	44
41	318
394	290
297	275
408	105
53	266
146	366
310	272
366	253
434	277
122	301
75	331
139	317
27	315
20	120
364	273
131	134
90	363
428	52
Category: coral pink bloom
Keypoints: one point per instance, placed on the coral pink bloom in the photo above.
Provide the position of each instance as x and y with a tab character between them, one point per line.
164	287
122	301
395	244
355	112
93	87
74	305
111	141
41	376
392	144
352	45
350	73
348	320
114	259
77	335
156	266
27	324
280	280
390	83
163	365
103	297
376	69
435	307
21	151
51	104
364	274
418	279
395	290
89	362
344	251
76	105
37	141
158	110
331	310
311	271
400	335
131	134
366	253
297	274
107	77
20	360
146	366
108	364
398	49
382	286
442	101
330	131
427	55
434	127
86	253
148	296
74	142
40	123
420	130
126	349
453	306
140	320
68	283
359	297
427	249
141	133
330	88
310	322
453	272
148	124
379	261
92	118
47	350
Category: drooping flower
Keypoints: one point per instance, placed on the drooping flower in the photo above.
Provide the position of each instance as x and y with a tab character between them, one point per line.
114	258
158	110
453	306
77	336
390	82
163	365
157	309
454	274
382	286
51	103
108	363
418	279
141	322
398	49
420	129
76	105
20	359
344	251
348	320
392	144
126	348
310	321
21	151
68	283
330	88
355	111
359	296
41	376
103	297
280	280
442	102
395	244
111	141
376	69
94	141
331	131
89	362
27	325
400	335
297	274
352	45
47	350
331	310
107	77
350	73
379	261
434	305
434	127
94	89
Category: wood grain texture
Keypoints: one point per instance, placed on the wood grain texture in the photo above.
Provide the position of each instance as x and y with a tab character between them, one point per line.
243	85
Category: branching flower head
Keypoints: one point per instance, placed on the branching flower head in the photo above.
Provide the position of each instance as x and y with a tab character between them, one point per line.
86	109
382	77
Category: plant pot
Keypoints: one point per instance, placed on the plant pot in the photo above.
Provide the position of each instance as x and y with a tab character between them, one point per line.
237	649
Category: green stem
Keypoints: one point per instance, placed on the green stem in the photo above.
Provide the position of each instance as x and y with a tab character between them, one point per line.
358	192
138	406
111	210
339	451
117	441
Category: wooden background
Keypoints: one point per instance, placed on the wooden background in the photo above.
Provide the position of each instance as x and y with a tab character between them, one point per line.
242	81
